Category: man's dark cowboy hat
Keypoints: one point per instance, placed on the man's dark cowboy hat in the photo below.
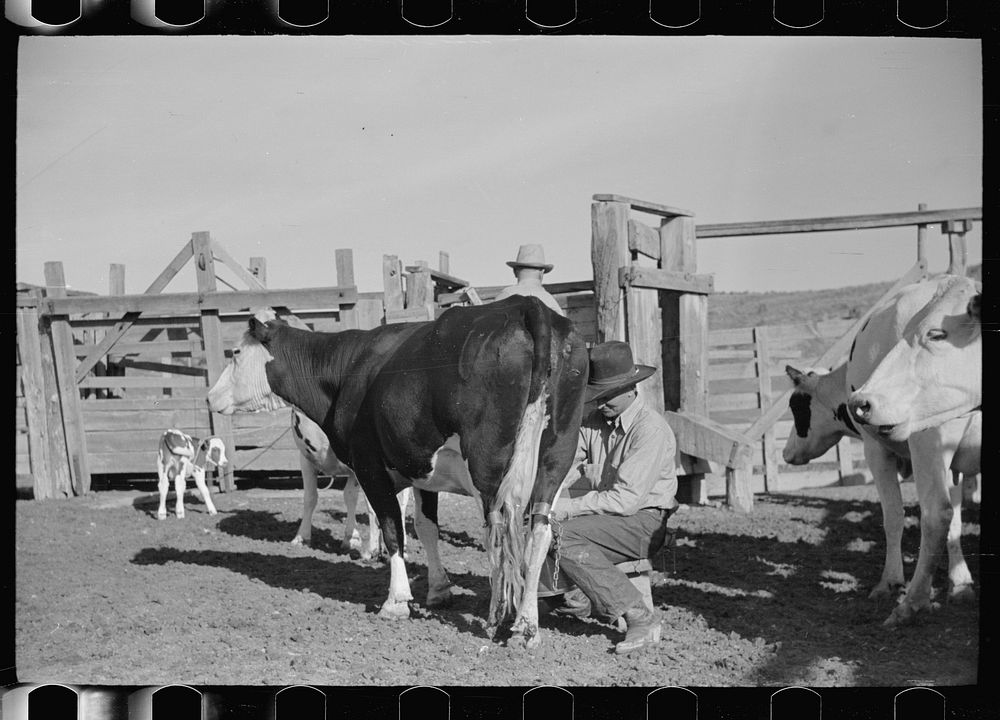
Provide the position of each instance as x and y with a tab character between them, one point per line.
613	371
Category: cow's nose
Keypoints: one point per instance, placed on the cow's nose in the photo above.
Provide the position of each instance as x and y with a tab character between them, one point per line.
861	409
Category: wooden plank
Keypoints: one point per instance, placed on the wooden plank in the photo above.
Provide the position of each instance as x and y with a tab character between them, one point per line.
739	386
120	327
155	348
836	351
369	313
678	245
733	401
150	418
642	205
702	437
33	381
420	289
609	252
922	236
644	329
183	303
201	244
442	280
636	276
69	393
957	253
251	280
143	381
841	222
150	366
160	404
344	261
392	283
693	331
643	239
417	314
743	417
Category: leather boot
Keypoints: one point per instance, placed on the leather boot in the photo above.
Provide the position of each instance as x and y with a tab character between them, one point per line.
643	628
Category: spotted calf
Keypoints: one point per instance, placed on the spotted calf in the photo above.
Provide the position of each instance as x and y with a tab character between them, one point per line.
180	455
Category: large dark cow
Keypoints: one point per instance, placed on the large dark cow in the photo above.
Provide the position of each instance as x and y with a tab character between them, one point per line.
508	378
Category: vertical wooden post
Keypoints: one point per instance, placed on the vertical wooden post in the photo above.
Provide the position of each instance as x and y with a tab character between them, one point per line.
29	343
215	354
69	392
921	236
345	278
685	334
608	252
392	283
258	268
444	263
762	360
957	252
420	289
116	286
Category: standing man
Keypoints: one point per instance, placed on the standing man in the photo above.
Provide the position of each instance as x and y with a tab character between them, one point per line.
529	267
627	454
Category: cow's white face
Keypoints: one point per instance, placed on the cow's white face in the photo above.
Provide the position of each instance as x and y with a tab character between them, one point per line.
813	405
243	386
933	373
216	452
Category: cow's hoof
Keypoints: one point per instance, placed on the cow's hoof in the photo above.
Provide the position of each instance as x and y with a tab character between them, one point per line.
353	542
180	516
299	540
886	591
213	512
394	610
161	516
962	594
907	614
439	598
524	639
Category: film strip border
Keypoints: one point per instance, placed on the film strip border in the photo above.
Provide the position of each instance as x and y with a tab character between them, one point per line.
742	17
303	702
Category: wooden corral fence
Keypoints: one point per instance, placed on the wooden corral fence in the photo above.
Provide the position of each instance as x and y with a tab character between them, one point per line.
100	377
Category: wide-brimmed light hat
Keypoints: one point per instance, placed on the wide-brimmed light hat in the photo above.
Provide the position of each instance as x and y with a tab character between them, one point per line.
531	256
613	371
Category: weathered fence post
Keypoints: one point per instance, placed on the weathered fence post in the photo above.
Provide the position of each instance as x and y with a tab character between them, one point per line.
392	284
215	352
420	290
762	359
957	252
69	392
921	236
258	268
608	253
344	259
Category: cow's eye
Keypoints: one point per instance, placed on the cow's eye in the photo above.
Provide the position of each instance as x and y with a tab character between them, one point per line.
936	334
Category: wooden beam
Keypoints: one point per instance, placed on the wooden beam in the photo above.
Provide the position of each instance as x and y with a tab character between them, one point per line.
635	276
643	239
220	301
211	332
392	283
248	278
69	392
115	333
702	437
643	206
762	360
258	268
843	222
441	279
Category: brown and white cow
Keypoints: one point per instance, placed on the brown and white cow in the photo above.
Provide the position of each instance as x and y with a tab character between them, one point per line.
821	419
180	455
315	456
508	378
915	377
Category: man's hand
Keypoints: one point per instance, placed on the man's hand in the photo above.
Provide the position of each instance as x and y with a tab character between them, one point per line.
560	515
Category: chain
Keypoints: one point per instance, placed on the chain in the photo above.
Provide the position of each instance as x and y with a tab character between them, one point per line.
556	542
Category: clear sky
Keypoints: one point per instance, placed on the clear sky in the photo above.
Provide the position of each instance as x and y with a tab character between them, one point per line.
292	147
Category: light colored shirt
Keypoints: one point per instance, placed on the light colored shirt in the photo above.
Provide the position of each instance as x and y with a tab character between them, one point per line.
532	289
628	463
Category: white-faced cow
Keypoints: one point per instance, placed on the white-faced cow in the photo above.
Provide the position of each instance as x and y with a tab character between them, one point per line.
821	419
508	378
915	377
316	456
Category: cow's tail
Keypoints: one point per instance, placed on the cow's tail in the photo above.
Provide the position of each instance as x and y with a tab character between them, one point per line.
507	531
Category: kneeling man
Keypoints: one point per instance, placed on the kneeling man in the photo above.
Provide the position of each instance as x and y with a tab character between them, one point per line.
625	456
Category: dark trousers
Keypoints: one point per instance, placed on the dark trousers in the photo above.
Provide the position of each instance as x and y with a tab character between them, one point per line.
589	547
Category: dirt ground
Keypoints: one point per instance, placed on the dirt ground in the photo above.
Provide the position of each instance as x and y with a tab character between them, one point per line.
106	594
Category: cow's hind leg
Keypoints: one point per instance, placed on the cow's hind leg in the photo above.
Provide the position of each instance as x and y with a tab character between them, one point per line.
352	538
425	520
164	488
525	628
180	484
206	496
310	496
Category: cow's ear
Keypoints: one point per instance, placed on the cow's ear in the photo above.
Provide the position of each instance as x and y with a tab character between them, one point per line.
974	309
260	331
796	376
